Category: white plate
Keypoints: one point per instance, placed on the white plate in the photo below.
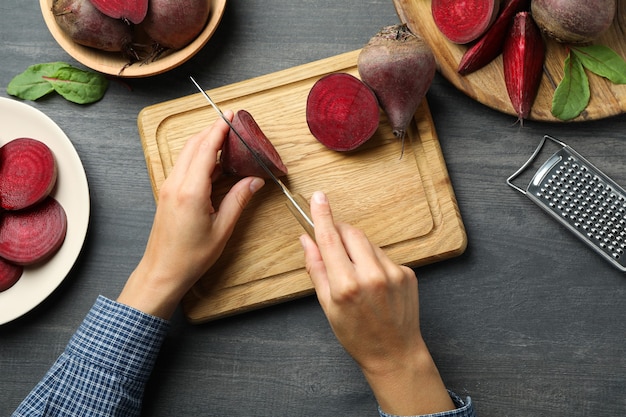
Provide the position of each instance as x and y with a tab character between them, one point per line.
38	282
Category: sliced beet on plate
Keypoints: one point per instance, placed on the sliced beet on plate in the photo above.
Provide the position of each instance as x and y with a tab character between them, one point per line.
28	173
33	234
9	274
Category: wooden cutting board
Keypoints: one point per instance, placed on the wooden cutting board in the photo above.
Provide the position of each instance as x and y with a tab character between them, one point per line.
405	205
487	84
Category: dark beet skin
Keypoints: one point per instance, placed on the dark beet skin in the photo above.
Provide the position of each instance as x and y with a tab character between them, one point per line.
573	21
28	173
342	111
9	274
32	235
399	67
87	26
175	23
237	160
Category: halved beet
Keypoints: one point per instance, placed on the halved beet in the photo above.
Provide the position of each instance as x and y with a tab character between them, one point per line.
342	111
33	234
134	11
464	21
28	173
9	274
237	160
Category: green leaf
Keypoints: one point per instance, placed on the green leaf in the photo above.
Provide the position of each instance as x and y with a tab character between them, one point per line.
572	94
79	86
31	84
603	61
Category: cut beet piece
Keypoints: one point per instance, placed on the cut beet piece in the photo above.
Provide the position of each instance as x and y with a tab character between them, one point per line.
9	274
490	45
28	173
134	11
237	160
342	111
32	235
464	21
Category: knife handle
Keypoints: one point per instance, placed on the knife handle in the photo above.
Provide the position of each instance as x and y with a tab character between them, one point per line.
304	205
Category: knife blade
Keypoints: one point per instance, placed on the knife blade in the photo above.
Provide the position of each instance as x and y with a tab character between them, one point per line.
297	204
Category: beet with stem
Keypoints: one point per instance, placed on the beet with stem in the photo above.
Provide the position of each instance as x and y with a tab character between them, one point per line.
28	173
464	21
399	67
174	24
33	234
523	57
490	45
237	160
342	111
87	26
127	10
9	274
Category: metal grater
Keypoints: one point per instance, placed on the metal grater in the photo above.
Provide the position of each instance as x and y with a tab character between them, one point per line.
582	198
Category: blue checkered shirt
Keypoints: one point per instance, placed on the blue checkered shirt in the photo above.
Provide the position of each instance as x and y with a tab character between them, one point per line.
106	364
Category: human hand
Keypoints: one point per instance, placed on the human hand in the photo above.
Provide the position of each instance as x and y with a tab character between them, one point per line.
188	234
372	305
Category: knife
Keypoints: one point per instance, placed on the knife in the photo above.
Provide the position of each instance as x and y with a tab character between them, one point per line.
297	205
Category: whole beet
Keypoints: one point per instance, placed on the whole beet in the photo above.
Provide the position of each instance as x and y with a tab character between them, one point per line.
573	21
399	67
175	23
87	26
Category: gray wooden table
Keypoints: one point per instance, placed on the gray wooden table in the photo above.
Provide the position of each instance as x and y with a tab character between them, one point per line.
528	321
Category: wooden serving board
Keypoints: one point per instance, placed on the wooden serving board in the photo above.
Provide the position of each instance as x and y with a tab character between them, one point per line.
487	84
405	205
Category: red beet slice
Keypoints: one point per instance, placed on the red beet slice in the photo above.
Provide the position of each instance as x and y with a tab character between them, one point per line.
464	21
9	274
342	112
28	173
490	45
237	160
134	11
32	235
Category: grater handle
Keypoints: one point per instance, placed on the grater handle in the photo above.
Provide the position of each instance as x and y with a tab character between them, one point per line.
517	173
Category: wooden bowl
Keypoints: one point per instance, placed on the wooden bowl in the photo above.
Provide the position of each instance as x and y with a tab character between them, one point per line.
114	63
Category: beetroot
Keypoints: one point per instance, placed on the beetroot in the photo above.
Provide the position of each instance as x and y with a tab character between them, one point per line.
342	112
490	45
175	23
573	21
236	158
127	10
522	59
399	67
9	274
85	25
33	234
28	173
464	21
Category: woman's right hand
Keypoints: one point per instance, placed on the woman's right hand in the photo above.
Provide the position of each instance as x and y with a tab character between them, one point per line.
372	305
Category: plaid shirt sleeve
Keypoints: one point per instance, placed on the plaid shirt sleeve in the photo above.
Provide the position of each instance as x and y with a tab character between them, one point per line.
464	409
104	368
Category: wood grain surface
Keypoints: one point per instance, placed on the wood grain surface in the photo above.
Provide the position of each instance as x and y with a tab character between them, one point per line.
404	203
487	84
